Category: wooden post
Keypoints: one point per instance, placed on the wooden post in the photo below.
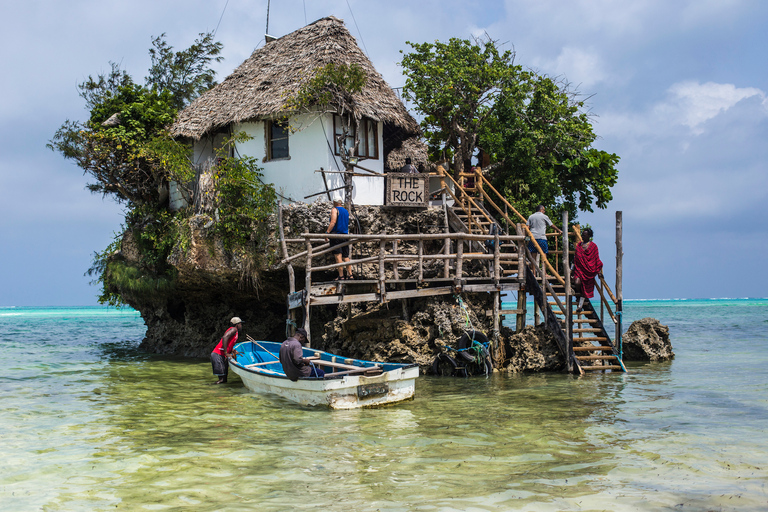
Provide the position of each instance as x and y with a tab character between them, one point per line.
459	258
495	342
521	295
382	272
421	261
308	290
619	271
447	246
396	273
568	305
289	266
537	308
496	259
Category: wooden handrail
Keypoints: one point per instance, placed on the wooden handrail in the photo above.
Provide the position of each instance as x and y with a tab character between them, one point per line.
470	200
525	225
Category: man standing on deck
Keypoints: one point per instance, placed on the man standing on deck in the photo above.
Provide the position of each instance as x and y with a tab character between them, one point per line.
339	225
538	223
292	358
220	355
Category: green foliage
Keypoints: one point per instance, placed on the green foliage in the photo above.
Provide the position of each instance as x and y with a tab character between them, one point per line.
333	85
98	270
186	74
244	203
540	141
455	86
533	128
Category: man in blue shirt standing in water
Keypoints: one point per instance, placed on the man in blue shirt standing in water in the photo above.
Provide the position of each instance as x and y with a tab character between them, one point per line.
340	225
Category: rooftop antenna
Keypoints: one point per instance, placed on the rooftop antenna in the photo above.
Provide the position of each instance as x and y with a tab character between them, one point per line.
268	38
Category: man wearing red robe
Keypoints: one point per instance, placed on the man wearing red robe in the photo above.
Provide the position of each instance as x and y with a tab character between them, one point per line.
586	265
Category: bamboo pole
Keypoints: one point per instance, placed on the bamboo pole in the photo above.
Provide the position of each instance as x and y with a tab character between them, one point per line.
382	272
395	272
568	292
496	258
619	274
308	291
521	294
421	260
284	246
459	260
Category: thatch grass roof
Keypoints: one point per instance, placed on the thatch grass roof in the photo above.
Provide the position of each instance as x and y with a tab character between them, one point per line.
260	87
413	148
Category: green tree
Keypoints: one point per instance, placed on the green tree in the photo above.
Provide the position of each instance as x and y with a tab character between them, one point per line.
540	142
124	145
125	148
456	86
533	128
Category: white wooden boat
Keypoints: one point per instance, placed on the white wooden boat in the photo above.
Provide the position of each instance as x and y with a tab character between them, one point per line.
348	383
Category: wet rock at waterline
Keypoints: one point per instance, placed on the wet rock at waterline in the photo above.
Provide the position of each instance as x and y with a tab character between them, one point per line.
647	340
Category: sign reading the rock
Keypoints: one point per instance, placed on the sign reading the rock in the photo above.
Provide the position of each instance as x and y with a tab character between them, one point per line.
407	189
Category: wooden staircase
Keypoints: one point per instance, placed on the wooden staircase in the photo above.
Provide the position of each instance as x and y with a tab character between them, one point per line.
589	348
581	336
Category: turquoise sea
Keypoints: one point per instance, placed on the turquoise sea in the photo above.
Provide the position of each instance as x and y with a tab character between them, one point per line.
91	423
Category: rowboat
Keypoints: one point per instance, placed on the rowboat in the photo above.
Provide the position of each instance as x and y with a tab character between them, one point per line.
348	383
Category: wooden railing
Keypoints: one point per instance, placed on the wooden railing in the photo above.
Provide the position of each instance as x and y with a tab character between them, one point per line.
390	255
481	185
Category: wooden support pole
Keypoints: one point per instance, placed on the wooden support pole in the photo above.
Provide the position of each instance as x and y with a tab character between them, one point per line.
568	312
284	246
619	272
521	295
496	258
395	272
459	259
382	272
421	260
308	291
447	246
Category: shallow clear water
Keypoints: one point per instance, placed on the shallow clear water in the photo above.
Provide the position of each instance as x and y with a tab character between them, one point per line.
90	423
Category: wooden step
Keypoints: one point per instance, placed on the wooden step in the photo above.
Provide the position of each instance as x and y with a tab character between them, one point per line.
601	368
591	329
596	358
593	348
592	338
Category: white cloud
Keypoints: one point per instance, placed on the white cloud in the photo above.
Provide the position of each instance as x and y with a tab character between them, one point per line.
696	103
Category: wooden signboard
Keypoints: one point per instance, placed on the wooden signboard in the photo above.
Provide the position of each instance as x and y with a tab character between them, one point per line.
404	189
296	300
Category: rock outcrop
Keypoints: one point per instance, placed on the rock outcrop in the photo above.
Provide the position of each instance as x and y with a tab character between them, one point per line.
534	349
213	284
647	340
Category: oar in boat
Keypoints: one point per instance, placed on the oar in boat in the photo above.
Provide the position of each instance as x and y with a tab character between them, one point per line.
248	336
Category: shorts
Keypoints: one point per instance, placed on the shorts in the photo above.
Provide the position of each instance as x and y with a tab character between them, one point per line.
344	251
542	244
220	364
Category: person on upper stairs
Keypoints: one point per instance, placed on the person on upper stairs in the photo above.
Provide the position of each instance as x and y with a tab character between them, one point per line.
586	265
538	223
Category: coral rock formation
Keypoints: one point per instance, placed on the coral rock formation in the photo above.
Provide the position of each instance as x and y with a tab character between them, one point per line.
647	340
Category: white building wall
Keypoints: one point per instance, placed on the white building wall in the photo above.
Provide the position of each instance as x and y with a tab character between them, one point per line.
310	149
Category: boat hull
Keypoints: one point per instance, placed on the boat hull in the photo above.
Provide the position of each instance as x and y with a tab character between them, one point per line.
395	384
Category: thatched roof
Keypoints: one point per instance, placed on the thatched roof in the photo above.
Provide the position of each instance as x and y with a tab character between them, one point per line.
413	148
260	86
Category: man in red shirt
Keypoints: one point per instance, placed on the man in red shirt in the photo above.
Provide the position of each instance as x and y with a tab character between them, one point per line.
220	355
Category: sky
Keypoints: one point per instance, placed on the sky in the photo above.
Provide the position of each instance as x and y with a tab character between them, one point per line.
677	89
